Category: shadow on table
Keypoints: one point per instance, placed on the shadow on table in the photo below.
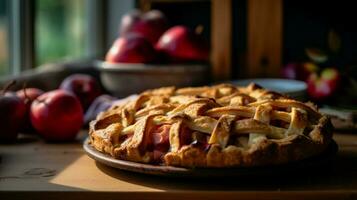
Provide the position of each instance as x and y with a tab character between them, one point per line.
30	164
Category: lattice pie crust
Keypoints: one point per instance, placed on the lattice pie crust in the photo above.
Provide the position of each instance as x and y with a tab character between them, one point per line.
217	126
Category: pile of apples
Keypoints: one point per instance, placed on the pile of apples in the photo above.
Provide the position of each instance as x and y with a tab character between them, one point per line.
55	115
322	82
147	38
331	76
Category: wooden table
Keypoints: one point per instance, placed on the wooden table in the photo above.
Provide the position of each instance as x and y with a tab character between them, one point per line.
32	169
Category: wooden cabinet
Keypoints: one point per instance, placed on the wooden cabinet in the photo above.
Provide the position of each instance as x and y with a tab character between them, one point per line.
263	56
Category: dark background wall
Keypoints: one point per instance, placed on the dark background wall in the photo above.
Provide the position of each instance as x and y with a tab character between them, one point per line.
307	23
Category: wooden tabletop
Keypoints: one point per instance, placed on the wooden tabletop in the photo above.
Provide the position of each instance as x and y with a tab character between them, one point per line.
32	169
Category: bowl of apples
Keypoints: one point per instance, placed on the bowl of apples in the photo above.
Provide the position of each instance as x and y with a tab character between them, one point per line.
150	54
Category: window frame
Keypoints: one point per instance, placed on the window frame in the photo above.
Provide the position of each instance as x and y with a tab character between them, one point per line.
100	16
21	34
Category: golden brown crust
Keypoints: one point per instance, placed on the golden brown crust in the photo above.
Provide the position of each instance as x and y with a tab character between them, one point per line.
226	126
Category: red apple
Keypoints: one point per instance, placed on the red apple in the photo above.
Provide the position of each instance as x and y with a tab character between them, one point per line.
12	115
181	44
131	48
299	71
57	115
85	87
28	97
150	25
321	87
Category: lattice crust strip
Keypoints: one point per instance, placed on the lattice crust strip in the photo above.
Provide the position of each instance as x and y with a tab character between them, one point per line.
218	126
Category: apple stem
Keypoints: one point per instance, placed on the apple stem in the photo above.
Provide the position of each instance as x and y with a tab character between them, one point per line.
199	29
8	86
24	87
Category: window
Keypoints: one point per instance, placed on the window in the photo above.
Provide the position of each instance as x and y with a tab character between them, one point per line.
3	38
60	30
35	32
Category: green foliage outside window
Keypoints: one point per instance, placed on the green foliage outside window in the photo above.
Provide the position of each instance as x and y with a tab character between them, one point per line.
59	30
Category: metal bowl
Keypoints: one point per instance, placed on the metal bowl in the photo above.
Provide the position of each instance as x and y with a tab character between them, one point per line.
123	79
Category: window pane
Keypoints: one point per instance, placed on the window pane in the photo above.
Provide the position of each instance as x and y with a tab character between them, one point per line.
59	30
3	38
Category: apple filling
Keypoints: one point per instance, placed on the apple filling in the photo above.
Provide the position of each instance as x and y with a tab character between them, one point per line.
279	123
200	140
160	144
125	137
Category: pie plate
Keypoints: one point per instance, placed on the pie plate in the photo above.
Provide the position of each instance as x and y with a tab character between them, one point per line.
170	171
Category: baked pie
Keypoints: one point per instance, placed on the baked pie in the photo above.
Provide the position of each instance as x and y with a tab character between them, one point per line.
211	126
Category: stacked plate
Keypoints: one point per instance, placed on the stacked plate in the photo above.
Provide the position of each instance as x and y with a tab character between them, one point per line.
293	88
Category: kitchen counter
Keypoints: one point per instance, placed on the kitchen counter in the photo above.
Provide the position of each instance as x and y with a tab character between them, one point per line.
32	169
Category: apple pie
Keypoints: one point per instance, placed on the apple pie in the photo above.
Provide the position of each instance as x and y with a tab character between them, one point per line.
211	126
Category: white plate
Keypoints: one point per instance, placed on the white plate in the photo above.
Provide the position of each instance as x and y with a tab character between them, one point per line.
293	88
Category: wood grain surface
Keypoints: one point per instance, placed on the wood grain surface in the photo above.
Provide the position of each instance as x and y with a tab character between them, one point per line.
265	36
32	169
221	40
